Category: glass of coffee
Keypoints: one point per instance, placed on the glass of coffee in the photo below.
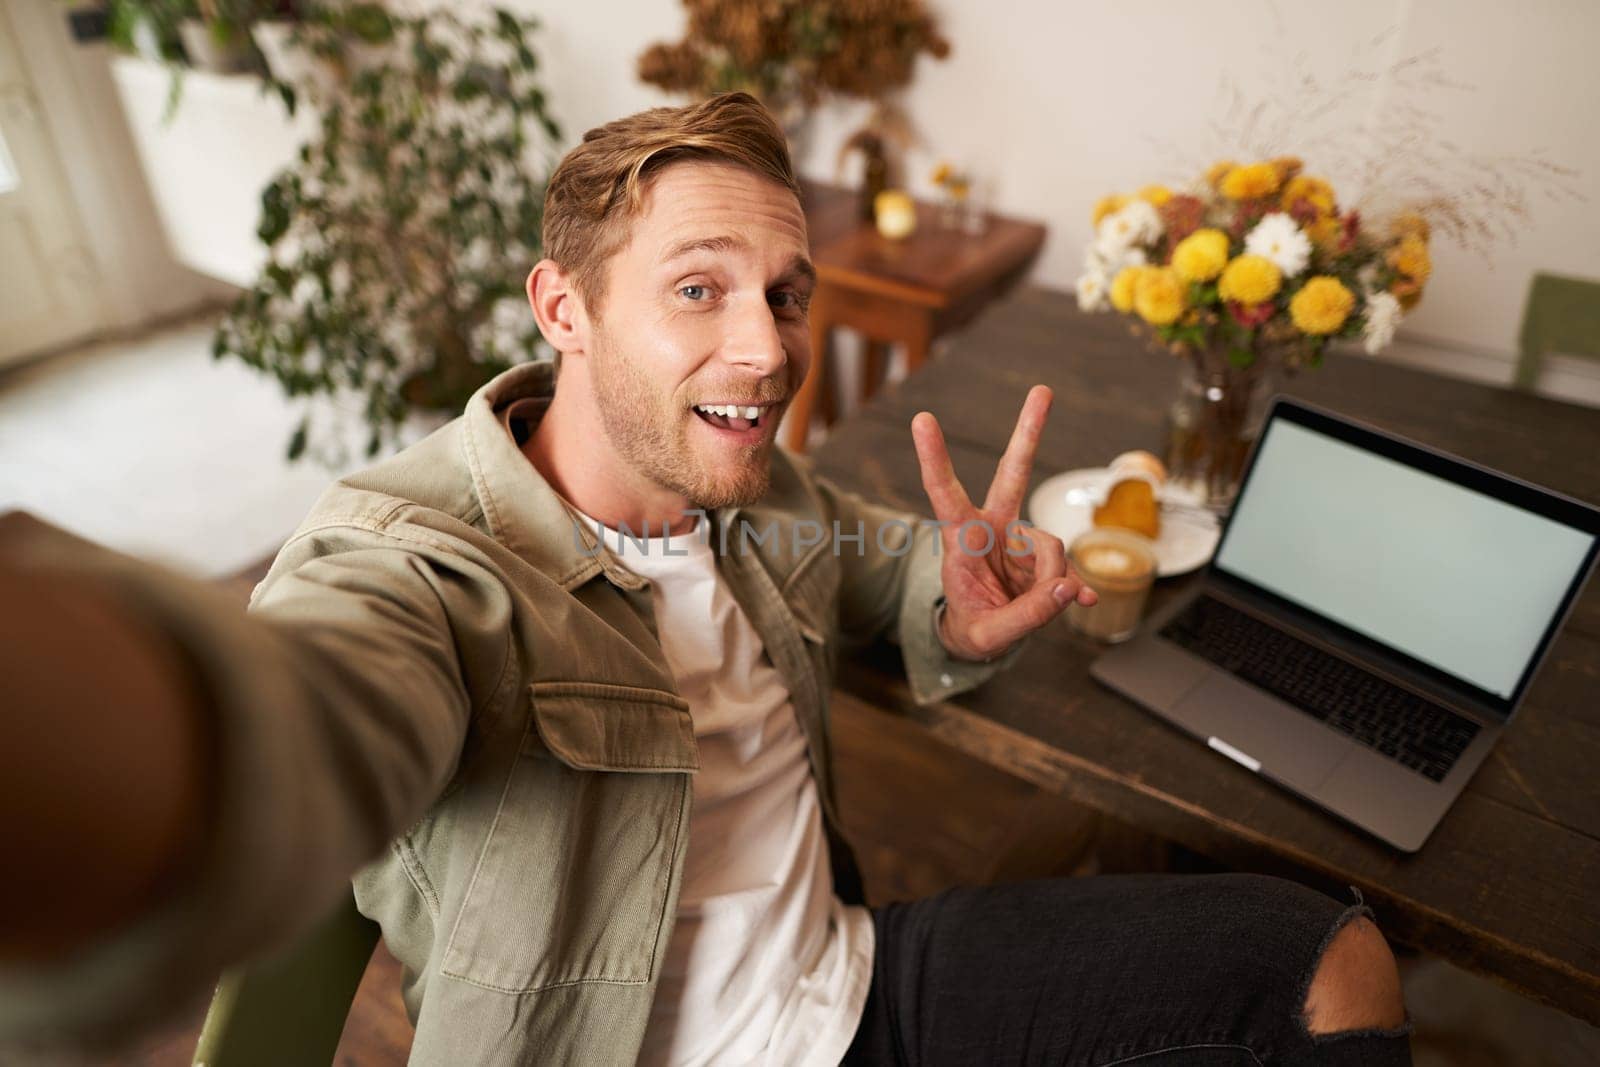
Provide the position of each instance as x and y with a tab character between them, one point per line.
1120	565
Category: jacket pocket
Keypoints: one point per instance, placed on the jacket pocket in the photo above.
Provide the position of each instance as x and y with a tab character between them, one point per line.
574	881
599	726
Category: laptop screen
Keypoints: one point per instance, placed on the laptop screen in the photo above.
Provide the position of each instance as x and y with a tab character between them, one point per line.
1456	578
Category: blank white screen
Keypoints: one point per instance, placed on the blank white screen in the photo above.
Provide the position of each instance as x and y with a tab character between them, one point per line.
1450	576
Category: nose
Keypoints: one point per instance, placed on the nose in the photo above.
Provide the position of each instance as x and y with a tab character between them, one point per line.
753	340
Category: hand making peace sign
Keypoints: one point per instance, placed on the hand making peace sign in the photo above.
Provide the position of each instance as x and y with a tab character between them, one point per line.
995	596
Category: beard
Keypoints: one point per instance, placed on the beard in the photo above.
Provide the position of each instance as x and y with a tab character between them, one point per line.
653	432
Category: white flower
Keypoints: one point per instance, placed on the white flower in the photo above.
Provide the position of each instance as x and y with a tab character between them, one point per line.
1367	279
1137	223
1092	291
1279	238
1146	220
1095	261
1383	316
1100	265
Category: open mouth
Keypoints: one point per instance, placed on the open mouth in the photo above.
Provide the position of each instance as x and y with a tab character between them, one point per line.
736	418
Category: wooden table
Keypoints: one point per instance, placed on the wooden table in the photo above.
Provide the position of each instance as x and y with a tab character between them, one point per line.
1509	883
909	291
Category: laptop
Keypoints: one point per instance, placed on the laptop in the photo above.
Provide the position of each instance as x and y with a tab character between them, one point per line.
1369	623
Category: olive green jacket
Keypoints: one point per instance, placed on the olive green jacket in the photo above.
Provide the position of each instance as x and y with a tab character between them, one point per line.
445	683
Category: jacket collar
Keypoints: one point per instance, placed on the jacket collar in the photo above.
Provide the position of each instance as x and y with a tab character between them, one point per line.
523	511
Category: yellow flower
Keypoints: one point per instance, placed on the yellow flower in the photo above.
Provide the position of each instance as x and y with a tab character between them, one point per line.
1122	288
1158	296
1250	280
1412	224
1326	231
1201	256
1410	257
1315	191
1218	171
1287	167
1321	305
1408	291
1155	194
1250	181
1107	205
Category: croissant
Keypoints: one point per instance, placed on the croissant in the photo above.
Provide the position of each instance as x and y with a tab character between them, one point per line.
1131	500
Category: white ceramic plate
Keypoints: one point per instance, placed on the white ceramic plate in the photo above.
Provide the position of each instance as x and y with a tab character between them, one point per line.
1188	536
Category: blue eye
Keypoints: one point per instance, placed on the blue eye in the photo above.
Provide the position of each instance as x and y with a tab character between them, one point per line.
690	291
785	299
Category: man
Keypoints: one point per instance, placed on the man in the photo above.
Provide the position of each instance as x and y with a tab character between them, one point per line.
555	680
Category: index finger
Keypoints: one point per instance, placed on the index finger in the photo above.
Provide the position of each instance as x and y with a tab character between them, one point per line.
1011	476
939	479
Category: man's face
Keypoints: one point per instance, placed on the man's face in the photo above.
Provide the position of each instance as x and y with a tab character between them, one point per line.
703	308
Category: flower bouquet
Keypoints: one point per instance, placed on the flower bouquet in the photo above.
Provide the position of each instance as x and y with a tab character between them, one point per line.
1254	269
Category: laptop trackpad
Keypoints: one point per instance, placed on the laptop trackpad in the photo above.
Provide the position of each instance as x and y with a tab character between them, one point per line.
1289	744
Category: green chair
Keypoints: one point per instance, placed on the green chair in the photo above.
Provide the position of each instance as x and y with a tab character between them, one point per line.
291	1008
1561	315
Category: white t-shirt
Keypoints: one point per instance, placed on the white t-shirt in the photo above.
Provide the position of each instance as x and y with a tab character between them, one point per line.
765	964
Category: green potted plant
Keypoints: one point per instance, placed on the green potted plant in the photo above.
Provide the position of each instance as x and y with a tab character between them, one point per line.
315	45
399	240
148	28
216	35
209	35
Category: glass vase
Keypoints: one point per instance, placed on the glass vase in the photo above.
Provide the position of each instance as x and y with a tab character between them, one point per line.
1213	424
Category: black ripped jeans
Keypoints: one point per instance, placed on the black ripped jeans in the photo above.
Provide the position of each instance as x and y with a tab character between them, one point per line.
1147	969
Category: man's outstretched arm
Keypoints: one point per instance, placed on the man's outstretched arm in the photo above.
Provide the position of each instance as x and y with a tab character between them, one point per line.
106	754
221	774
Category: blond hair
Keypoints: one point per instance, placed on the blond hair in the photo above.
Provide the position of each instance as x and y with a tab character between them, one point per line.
600	185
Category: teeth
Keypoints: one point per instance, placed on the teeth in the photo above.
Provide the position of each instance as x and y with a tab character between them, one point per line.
751	412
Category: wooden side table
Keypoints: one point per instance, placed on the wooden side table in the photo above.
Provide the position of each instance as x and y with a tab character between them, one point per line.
908	291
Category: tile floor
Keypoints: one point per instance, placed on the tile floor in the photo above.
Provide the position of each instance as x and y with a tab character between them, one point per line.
152	447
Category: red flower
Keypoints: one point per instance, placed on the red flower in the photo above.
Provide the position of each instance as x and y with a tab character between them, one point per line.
1347	234
1182	216
1304	211
1249	213
1251	315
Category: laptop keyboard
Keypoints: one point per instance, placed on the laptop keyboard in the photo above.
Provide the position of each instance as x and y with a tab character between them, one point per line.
1407	728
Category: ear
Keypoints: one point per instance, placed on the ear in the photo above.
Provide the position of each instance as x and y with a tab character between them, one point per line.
558	308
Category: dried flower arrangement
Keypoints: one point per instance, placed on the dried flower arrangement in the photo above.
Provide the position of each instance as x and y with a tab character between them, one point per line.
791	53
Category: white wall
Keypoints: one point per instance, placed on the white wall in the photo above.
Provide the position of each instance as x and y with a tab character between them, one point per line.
140	281
1056	104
